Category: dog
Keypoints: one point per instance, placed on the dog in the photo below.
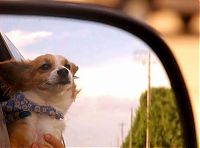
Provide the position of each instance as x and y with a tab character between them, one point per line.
45	83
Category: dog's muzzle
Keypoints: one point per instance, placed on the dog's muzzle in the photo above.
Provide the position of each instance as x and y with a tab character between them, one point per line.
63	75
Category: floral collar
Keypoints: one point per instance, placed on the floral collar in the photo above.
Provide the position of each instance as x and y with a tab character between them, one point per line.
18	103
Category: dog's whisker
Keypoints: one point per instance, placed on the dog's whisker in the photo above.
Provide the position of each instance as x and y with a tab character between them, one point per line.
75	77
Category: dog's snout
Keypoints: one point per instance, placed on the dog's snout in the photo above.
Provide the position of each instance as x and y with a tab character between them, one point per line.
62	72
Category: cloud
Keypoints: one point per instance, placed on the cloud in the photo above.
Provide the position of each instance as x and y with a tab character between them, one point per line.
23	38
119	78
104	112
82	33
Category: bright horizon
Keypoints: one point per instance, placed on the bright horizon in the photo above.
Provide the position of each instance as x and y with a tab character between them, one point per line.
111	80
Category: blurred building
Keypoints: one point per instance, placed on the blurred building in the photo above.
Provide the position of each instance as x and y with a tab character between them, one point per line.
182	14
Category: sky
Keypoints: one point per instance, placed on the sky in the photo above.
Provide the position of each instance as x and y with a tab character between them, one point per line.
112	70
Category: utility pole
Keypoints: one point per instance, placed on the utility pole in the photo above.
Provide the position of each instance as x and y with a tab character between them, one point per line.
118	143
130	134
122	133
140	57
148	101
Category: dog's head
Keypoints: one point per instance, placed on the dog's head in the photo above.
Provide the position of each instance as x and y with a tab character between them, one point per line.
47	73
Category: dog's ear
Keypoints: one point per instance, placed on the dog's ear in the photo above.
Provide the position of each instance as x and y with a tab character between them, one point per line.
15	74
74	68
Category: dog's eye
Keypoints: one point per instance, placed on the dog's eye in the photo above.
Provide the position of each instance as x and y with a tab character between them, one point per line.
67	66
46	66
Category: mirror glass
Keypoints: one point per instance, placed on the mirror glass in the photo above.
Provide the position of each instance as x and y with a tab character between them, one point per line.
113	78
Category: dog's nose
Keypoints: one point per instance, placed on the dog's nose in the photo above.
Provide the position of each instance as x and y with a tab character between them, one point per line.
62	72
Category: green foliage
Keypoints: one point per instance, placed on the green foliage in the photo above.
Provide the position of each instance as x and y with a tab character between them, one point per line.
165	126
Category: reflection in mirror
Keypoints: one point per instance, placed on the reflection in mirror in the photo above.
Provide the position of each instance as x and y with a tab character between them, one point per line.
113	70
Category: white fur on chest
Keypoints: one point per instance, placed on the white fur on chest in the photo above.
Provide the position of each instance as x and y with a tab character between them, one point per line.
40	124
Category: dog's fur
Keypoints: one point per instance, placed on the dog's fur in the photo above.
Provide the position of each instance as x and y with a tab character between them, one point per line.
43	85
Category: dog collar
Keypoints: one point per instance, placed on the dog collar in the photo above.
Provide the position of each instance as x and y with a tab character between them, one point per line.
19	103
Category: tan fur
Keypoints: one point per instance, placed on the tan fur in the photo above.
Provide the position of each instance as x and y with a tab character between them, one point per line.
13	73
17	134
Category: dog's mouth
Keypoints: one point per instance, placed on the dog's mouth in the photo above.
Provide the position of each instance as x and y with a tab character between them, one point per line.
60	82
64	82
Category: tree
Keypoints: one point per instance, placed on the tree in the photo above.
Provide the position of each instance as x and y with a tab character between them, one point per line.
165	125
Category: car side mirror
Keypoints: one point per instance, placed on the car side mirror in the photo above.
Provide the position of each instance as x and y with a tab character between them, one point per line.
105	42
